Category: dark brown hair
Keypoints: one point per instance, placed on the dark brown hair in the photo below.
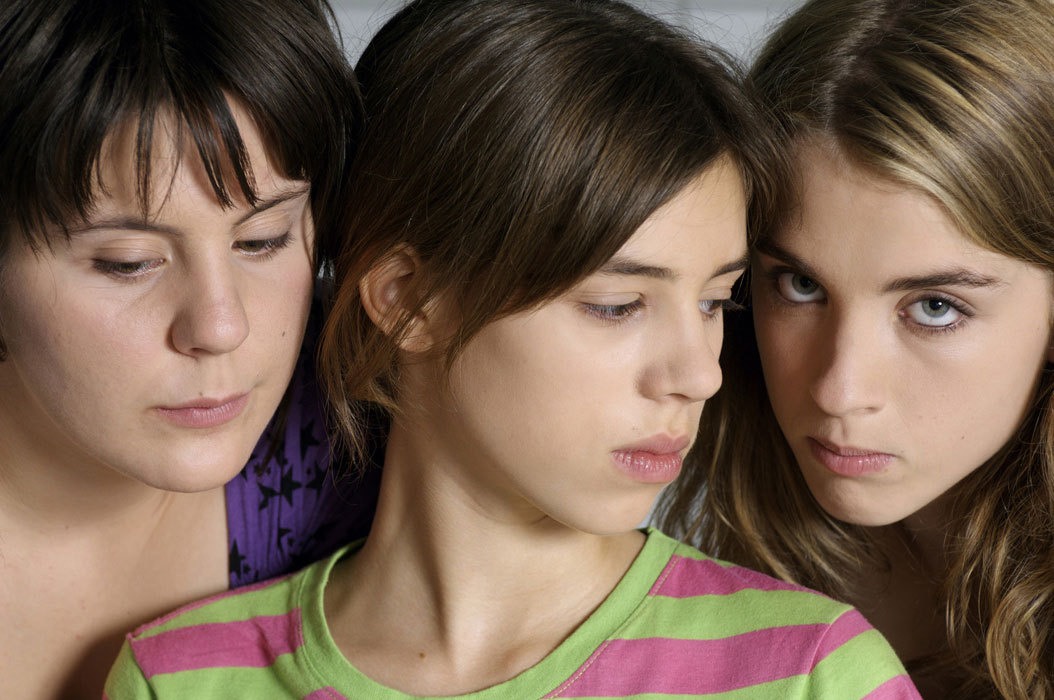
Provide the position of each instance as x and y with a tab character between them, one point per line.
73	71
514	146
954	99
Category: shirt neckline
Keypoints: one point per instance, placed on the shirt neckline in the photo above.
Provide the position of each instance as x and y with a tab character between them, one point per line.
332	669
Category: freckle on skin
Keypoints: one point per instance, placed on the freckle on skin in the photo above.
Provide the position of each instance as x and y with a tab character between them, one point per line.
422	655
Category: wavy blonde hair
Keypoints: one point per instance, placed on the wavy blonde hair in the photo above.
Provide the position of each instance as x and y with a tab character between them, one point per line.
953	98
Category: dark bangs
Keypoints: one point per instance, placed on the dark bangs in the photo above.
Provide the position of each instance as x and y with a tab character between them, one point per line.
72	71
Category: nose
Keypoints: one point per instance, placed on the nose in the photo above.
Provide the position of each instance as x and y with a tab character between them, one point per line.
685	365
848	377
210	318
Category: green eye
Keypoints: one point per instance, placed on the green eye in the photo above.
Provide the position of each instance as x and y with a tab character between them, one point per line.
935	308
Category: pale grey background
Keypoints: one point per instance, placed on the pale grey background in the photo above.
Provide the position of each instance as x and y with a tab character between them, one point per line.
737	25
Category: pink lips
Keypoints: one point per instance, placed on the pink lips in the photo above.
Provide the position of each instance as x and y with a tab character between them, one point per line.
849	461
656	460
205	413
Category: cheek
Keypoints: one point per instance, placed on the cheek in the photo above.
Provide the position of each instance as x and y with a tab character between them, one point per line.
973	406
279	305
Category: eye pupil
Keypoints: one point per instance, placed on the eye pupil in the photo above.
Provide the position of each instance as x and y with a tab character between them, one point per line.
803	285
935	307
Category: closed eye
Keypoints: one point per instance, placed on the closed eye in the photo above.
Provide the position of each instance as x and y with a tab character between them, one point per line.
264	247
613	313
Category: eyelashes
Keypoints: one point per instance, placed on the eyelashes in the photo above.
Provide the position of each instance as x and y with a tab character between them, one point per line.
617	313
613	313
264	247
130	270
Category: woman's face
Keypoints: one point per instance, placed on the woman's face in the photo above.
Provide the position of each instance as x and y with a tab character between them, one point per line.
898	355
579	411
157	348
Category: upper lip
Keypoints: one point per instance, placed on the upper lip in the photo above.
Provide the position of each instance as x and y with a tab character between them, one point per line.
659	444
846	450
204	402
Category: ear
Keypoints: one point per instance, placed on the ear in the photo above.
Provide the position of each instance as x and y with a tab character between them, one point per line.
387	293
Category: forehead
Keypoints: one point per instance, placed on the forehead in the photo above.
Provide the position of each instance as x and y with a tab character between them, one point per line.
700	229
853	224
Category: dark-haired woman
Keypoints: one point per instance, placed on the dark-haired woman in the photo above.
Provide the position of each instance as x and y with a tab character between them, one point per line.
168	177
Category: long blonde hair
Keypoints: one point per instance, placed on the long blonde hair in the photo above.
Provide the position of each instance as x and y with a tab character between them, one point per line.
953	98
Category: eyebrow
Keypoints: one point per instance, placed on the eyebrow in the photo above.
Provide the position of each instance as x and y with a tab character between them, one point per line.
952	277
956	277
625	266
138	224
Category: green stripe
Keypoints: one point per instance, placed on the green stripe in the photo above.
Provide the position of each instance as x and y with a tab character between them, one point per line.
852	670
719	616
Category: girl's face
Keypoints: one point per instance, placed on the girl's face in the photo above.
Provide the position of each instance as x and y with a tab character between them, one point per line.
580	410
157	348
898	355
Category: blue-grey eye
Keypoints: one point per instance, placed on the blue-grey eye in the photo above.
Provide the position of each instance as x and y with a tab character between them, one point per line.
798	288
934	312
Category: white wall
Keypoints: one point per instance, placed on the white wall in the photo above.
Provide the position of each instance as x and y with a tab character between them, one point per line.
738	25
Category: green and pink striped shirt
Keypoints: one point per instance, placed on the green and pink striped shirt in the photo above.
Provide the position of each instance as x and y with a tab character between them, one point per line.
679	625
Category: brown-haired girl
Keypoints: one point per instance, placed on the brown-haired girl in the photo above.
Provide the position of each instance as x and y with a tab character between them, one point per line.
903	304
549	214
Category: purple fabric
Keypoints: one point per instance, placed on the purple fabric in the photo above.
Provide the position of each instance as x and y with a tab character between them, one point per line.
294	509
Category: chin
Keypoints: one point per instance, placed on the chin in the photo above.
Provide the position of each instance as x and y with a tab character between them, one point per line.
191	473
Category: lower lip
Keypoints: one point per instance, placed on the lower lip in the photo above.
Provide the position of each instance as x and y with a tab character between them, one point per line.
850	465
648	467
200	417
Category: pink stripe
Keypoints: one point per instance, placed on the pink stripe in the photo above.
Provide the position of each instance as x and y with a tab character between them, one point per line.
325	694
685	578
205	601
625	667
899	688
253	643
849	625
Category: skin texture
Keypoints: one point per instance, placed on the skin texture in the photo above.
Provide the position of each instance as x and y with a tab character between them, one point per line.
500	482
853	360
110	513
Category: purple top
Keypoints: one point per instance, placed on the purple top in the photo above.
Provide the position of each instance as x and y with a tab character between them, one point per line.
294	509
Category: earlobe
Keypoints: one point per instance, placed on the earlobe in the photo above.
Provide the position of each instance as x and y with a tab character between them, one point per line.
388	296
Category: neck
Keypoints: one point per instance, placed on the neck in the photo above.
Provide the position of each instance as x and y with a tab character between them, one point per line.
486	589
927	531
904	602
